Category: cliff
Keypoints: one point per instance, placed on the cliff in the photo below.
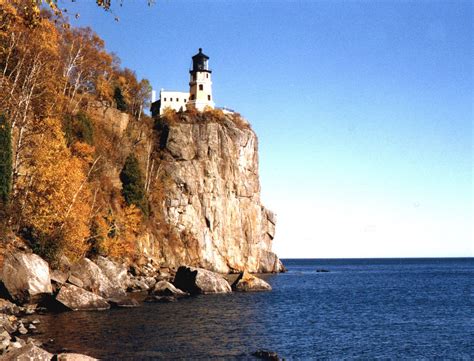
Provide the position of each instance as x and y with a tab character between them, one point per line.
208	164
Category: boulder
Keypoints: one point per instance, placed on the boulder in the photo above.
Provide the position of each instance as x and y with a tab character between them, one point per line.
75	281
270	263
123	302
94	280
5	339
137	284
26	353
247	282
74	357
199	280
115	272
164	288
8	307
59	277
78	299
26	275
8	323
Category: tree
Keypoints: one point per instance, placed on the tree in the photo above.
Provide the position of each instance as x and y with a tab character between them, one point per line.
5	162
120	100
78	128
54	205
31	9
133	185
5	172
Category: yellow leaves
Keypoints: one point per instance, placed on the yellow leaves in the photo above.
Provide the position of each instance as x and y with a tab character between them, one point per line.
83	151
54	207
115	235
48	71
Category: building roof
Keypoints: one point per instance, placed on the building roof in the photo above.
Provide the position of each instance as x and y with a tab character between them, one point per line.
200	55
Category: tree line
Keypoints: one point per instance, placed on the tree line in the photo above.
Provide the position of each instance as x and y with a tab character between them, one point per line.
52	187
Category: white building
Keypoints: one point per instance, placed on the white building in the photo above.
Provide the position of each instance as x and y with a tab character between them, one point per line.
174	100
200	90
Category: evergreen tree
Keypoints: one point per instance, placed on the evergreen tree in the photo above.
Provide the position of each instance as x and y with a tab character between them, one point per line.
120	100
78	128
133	185
5	161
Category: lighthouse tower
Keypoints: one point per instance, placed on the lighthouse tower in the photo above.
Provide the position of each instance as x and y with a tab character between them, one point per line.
200	84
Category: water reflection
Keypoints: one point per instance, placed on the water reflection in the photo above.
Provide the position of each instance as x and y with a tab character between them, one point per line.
364	309
211	326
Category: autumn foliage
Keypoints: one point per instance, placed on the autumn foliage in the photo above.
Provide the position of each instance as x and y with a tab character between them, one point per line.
55	82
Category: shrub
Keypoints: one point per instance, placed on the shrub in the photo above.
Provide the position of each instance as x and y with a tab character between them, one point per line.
133	185
120	100
78	128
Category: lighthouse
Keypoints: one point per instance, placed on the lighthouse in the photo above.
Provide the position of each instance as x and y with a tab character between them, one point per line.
200	84
200	90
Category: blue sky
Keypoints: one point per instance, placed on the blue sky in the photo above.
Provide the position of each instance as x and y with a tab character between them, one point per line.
363	110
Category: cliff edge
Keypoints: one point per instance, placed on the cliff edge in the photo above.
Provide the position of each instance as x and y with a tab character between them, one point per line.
207	164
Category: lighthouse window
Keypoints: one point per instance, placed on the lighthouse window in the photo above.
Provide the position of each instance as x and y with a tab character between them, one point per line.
171	99
201	87
165	99
208	97
177	99
207	75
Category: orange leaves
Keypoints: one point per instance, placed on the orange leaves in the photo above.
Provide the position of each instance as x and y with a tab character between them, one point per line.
115	234
62	190
83	151
52	205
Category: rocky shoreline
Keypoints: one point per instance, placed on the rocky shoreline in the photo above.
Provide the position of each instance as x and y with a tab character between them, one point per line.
29	286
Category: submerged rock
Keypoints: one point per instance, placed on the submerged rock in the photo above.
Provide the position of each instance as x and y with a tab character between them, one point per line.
26	275
198	280
267	355
78	299
161	299
247	282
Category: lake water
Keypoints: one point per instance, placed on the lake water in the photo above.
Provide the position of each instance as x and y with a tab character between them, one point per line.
361	309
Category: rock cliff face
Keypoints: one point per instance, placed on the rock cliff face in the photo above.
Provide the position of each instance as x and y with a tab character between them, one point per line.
209	172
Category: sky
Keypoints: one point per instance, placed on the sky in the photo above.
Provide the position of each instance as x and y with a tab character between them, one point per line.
363	109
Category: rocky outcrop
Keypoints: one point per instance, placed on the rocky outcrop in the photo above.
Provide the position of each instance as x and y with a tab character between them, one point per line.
209	170
26	275
200	281
78	299
247	282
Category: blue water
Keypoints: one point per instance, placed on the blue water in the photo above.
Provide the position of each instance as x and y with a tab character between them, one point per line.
361	309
